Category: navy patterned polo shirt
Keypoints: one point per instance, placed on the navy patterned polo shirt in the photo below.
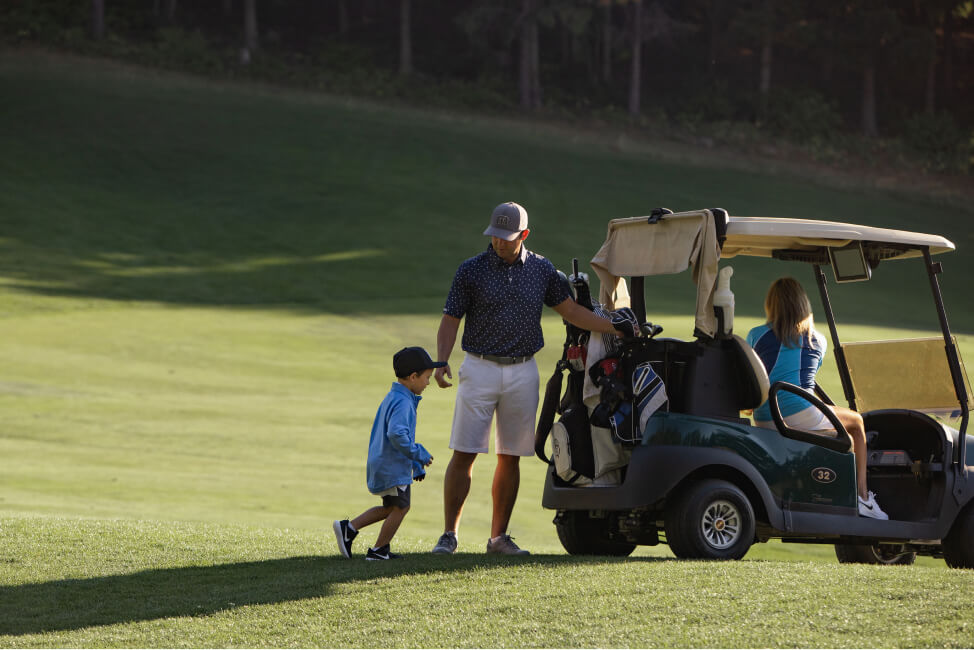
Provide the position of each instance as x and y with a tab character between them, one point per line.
503	302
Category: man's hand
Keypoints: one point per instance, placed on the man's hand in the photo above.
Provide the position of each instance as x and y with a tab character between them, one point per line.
438	376
625	321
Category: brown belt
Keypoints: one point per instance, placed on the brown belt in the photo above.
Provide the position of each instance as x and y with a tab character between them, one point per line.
505	361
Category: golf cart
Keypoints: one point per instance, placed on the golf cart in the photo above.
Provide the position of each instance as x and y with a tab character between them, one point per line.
696	469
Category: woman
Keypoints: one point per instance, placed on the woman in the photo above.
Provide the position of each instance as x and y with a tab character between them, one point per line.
792	351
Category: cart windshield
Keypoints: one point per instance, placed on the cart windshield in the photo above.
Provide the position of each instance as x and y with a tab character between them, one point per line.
906	374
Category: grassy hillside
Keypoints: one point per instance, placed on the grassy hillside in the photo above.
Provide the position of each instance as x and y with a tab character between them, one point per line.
201	288
120	184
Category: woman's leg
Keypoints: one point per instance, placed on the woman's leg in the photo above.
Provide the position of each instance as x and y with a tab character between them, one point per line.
852	422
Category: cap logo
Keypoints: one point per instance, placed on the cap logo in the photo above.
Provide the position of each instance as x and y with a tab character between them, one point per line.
503	220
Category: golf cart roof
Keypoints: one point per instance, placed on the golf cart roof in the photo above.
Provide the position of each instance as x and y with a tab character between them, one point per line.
670	243
760	236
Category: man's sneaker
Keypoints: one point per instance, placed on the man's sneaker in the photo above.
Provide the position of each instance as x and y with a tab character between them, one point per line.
344	535
869	508
382	553
447	544
504	545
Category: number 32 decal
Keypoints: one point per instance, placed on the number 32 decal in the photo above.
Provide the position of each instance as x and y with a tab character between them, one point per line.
823	475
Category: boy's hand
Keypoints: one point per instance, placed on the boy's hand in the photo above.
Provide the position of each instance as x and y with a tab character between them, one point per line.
429	462
419	477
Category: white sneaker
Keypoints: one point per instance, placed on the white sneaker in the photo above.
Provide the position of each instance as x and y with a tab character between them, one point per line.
869	508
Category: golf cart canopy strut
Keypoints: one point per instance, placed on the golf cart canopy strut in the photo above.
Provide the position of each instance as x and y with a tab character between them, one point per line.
953	359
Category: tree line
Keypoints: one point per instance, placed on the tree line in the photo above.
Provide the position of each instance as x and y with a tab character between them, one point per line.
863	65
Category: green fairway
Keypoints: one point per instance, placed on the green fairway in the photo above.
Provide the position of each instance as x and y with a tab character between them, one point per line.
149	584
201	289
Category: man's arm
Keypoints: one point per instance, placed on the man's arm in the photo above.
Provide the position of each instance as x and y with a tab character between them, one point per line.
446	338
578	316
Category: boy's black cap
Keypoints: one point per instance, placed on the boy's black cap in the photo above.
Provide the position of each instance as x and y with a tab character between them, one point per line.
410	360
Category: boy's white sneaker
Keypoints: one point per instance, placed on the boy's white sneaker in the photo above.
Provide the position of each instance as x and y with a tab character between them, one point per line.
869	508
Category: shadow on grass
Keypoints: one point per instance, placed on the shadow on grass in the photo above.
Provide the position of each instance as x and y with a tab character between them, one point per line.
199	591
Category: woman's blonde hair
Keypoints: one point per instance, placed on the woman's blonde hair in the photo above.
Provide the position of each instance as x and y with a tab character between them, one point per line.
788	310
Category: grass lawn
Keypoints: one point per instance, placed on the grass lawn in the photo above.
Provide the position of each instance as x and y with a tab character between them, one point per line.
170	584
201	288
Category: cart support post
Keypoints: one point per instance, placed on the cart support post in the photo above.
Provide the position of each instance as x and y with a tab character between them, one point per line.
638	297
850	394
953	359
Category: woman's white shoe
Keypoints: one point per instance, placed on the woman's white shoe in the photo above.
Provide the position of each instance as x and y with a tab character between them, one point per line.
869	508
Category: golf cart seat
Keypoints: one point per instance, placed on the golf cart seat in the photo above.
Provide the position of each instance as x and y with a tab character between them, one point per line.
723	378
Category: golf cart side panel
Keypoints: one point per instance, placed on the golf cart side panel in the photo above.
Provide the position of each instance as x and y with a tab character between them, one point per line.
676	446
652	474
828	483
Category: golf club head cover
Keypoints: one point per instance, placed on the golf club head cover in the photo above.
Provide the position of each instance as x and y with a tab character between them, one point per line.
625	321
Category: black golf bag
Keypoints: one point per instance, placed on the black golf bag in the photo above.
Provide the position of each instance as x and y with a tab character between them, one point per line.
588	446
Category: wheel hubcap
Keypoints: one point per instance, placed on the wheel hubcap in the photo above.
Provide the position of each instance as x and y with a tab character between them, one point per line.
721	524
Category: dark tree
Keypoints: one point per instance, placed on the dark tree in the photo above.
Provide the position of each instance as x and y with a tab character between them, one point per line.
767	55
529	77
251	42
605	41
769	27
636	72
864	28
98	19
405	38
342	17
933	18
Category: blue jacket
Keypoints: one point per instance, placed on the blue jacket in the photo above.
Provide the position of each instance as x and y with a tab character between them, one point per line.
394	455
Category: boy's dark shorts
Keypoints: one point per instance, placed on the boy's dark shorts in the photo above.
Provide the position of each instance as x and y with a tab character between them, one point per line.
399	500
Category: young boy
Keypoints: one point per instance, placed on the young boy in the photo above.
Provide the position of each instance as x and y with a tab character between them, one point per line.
395	458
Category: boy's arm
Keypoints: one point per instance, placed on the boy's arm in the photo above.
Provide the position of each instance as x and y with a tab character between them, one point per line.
401	434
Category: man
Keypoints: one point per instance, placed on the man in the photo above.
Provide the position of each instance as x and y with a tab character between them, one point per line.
501	293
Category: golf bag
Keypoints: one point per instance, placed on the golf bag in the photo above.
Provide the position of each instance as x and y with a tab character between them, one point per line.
630	391
582	454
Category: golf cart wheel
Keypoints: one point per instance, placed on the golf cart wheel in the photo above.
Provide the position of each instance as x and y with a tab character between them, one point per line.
581	534
958	545
873	554
713	520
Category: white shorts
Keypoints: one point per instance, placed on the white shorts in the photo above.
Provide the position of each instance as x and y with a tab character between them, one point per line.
484	388
807	419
